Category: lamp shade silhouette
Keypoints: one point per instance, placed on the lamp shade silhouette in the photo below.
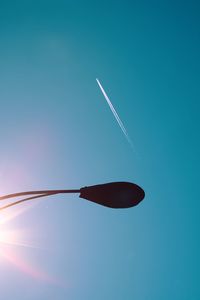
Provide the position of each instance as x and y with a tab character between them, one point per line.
114	194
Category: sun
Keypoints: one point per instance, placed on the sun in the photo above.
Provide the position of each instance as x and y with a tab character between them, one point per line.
9	236
11	240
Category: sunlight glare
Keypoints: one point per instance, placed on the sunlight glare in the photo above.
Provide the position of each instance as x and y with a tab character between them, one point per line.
12	238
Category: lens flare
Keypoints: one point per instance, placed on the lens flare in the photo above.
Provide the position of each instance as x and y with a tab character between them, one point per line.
10	242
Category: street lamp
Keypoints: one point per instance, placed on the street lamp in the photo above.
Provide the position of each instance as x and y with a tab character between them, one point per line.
113	194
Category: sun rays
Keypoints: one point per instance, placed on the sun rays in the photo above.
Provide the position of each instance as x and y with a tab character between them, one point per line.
11	242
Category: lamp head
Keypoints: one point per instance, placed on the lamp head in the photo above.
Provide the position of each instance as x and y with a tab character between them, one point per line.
114	194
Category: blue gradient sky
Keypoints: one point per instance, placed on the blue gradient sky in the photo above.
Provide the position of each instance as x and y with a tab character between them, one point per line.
57	132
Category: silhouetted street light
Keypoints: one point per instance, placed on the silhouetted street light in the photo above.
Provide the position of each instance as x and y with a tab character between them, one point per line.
114	194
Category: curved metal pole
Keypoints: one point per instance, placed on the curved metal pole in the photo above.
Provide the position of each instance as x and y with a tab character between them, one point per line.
46	192
24	200
43	193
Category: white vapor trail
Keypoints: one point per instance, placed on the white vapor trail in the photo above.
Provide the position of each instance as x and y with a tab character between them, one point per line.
121	125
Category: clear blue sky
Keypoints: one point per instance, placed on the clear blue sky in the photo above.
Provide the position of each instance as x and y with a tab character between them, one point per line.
58	132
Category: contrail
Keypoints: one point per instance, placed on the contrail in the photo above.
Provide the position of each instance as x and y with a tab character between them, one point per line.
121	125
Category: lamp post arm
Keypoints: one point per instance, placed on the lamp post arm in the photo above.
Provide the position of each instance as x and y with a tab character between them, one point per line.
45	192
